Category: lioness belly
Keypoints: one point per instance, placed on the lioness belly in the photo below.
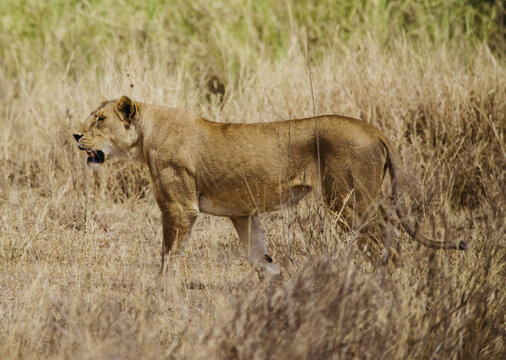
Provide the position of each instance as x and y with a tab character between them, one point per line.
208	205
247	204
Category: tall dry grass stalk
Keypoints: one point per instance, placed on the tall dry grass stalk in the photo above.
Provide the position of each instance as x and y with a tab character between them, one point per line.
79	250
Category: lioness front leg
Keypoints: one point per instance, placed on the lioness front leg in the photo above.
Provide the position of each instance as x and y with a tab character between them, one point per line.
252	235
174	190
176	232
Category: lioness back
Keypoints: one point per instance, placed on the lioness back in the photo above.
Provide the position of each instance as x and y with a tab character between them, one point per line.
262	164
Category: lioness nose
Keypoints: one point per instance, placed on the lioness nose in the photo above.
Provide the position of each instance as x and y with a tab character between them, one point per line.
78	136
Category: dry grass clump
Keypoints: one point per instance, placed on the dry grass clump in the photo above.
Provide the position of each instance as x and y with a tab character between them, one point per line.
333	310
79	250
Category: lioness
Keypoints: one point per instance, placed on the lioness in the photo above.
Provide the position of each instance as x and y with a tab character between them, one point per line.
241	170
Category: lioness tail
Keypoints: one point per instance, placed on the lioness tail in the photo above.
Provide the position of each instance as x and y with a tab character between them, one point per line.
400	208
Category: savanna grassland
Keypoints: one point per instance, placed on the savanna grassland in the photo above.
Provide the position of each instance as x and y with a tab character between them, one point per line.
79	249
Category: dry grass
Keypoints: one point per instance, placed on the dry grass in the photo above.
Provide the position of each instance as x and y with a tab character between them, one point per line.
79	250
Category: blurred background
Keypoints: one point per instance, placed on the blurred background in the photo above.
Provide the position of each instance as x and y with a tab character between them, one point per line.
227	39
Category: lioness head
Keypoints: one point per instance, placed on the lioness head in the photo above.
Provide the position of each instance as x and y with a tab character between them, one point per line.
109	131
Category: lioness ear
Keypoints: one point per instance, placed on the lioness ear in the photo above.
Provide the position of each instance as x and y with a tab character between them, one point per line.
126	109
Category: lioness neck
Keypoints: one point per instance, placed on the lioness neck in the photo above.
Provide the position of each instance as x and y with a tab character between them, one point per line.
165	130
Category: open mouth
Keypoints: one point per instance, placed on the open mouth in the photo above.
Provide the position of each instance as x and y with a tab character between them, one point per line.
95	156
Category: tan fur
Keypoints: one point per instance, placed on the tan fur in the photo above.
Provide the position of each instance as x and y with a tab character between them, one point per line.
241	170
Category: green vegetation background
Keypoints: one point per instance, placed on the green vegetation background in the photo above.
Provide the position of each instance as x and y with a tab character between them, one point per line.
227	36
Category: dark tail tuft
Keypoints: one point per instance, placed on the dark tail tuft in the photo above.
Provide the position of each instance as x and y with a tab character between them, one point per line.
463	245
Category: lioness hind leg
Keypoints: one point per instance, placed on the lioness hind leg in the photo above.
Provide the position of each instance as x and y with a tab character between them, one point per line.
365	228
252	235
355	199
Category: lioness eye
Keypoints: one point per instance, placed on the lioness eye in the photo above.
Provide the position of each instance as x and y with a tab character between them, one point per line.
100	118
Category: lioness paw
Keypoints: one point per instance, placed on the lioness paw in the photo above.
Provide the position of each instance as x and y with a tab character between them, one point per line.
267	270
